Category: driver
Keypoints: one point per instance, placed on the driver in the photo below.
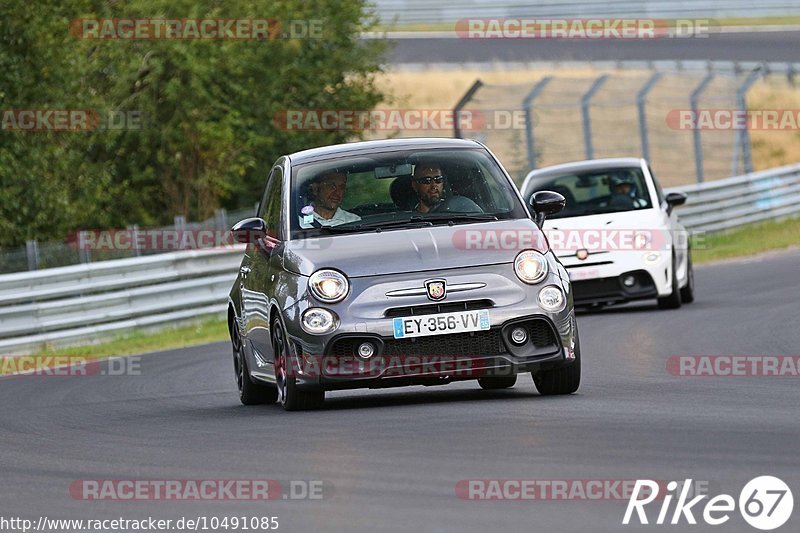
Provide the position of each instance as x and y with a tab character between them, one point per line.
623	192
326	194
428	184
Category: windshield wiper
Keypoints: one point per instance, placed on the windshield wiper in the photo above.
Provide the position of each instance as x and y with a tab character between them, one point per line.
411	222
461	216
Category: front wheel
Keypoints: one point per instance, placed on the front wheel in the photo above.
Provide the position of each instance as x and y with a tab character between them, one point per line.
560	380
250	393
673	300
687	293
290	396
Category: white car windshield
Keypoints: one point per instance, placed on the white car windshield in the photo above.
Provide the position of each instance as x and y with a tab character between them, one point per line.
611	190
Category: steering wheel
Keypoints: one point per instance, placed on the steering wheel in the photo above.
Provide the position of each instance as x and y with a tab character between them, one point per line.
456	204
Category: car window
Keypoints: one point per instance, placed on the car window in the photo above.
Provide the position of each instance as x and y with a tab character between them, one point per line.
442	186
601	191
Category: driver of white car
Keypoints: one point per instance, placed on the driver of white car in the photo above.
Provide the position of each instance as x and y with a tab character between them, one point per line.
624	193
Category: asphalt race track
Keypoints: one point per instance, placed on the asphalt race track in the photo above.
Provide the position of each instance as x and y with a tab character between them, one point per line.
745	46
390	459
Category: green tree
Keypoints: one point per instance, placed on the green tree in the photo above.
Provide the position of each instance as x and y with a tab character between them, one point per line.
207	135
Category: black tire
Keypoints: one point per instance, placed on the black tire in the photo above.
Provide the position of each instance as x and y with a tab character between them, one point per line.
497	382
673	301
289	395
560	380
687	293
250	393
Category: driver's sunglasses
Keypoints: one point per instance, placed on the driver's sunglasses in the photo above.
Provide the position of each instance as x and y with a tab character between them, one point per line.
438	180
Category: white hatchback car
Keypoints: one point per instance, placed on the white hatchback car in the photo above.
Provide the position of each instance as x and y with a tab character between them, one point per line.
618	237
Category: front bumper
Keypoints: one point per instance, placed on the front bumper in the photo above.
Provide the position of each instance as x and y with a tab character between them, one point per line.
332	361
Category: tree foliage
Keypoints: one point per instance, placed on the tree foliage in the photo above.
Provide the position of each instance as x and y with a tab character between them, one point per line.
206	135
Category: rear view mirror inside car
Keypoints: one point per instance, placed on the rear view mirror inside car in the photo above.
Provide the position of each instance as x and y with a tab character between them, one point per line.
393	171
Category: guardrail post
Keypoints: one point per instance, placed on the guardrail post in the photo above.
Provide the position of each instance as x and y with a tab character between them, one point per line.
32	248
698	147
641	102
527	104
84	254
742	141
133	232
587	124
221	216
460	105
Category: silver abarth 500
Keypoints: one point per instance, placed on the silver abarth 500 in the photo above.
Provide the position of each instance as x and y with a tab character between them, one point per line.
398	262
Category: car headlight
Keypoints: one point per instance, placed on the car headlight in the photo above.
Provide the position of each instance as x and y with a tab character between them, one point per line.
551	299
531	266
317	321
329	286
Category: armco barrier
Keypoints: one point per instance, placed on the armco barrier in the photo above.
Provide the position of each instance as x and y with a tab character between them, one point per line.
733	202
88	301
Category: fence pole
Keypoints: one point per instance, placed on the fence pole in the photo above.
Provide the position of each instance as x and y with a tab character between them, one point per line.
460	105
587	124
527	104
32	247
742	142
641	102
698	148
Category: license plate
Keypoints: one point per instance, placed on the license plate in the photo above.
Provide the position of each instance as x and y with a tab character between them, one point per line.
441	324
583	273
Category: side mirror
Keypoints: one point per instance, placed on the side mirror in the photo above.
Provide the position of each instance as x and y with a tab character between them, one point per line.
674	199
546	203
249	230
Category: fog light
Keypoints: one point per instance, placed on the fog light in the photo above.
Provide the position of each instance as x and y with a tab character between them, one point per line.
651	258
519	335
318	321
629	281
366	350
551	299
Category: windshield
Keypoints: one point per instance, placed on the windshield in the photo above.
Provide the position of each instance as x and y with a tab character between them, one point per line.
400	189
611	190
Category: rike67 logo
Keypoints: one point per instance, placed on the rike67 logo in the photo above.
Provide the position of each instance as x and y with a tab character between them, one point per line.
765	503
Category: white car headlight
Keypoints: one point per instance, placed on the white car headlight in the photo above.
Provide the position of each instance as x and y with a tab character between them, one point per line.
329	286
551	299
531	266
317	321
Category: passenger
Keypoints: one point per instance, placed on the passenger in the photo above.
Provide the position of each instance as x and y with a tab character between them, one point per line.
325	195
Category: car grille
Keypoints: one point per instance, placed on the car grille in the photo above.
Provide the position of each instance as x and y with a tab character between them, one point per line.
430	309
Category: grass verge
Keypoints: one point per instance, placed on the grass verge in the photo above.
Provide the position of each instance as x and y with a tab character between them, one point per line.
748	241
205	331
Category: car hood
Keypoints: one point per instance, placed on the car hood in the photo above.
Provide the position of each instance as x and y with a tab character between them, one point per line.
395	251
637	219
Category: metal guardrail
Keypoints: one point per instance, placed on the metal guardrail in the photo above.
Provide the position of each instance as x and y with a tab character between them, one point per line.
733	202
86	302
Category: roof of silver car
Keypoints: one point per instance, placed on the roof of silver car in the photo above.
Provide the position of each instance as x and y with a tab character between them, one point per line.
378	146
